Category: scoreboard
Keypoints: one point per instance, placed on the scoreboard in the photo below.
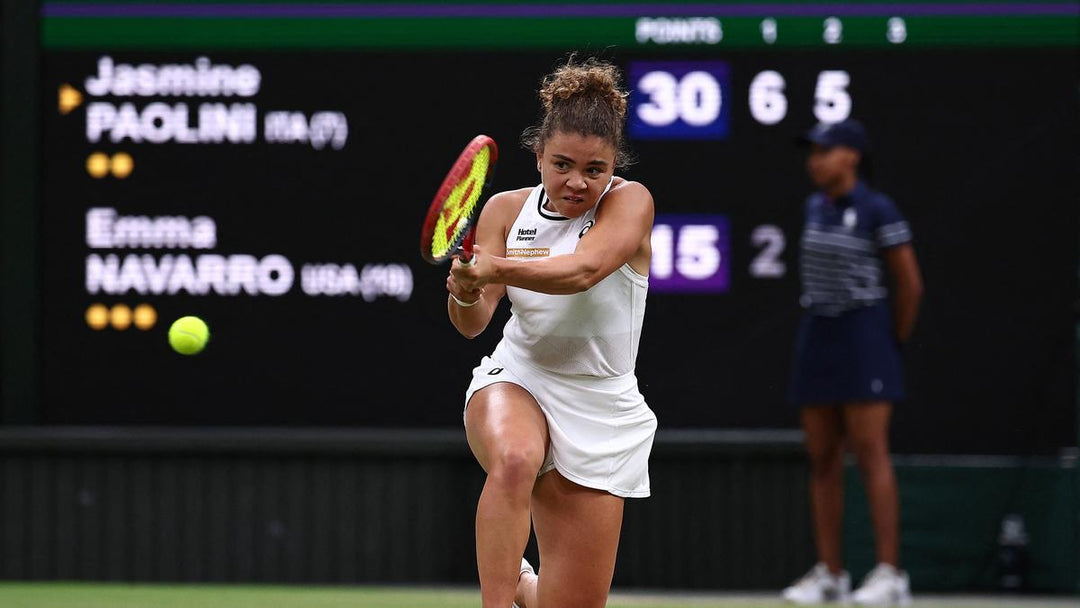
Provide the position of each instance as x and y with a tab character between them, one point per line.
266	166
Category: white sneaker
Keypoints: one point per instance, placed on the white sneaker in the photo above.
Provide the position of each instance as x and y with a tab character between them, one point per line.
884	586
818	586
525	567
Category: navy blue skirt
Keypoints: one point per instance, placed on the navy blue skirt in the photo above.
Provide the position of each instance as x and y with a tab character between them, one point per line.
852	357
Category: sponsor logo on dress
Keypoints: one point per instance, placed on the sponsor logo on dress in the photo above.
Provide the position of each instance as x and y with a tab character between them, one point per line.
528	252
526	234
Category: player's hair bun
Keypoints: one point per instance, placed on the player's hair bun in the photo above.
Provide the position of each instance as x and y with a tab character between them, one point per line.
592	81
584	97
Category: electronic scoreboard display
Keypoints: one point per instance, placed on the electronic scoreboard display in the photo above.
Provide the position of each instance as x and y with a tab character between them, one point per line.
266	166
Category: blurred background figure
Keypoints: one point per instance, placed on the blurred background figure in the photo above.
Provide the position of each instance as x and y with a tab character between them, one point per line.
847	372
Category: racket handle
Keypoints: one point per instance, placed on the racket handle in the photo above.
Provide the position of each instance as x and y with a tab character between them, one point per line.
465	250
464	255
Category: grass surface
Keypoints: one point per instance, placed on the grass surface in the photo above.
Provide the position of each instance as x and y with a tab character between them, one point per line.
95	595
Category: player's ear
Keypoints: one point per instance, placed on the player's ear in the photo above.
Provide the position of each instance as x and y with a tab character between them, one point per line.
539	158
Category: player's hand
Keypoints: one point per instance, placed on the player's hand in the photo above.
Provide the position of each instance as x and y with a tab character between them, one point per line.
474	275
459	292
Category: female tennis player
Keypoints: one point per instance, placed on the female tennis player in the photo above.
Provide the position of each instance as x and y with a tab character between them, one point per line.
847	362
554	415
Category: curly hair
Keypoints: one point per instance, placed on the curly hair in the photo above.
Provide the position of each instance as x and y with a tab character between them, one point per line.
584	97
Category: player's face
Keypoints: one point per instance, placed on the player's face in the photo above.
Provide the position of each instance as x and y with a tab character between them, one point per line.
829	166
575	169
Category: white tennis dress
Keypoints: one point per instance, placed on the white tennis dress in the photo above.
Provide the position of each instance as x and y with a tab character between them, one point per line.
575	354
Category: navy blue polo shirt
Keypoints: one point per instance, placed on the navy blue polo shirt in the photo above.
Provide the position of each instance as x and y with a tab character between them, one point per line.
840	264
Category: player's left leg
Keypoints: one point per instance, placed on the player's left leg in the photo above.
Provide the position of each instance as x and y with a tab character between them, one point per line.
867	427
508	435
577	532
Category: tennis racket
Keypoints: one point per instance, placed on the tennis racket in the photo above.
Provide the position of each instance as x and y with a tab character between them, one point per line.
450	225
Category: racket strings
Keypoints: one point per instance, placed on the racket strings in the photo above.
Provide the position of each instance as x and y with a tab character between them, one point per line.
454	219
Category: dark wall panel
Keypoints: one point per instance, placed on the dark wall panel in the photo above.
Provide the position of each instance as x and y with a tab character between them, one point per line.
728	511
720	517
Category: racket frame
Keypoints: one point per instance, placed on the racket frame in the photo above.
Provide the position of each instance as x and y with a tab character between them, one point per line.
463	243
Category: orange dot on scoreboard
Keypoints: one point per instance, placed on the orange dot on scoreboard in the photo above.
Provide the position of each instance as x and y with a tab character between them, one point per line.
97	317
97	165
120	316
145	316
122	165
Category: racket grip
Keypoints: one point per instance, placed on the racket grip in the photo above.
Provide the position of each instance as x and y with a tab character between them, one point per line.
465	256
465	251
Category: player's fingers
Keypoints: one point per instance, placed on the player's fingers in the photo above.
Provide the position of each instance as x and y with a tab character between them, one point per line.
465	295
462	272
478	267
460	290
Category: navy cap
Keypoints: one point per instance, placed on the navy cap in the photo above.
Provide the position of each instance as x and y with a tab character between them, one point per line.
848	133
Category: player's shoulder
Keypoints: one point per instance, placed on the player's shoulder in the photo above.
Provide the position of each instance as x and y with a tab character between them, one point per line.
510	198
621	184
507	204
624	189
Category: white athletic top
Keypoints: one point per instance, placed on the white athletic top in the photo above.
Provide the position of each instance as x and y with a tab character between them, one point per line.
592	333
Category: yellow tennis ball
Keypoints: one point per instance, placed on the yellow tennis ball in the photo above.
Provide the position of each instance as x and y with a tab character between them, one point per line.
188	335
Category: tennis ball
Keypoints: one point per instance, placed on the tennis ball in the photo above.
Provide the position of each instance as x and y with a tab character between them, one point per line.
188	335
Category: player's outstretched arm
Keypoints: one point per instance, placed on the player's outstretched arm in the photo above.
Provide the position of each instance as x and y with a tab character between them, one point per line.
620	234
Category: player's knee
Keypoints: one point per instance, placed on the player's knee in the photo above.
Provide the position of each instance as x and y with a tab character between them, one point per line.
517	466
